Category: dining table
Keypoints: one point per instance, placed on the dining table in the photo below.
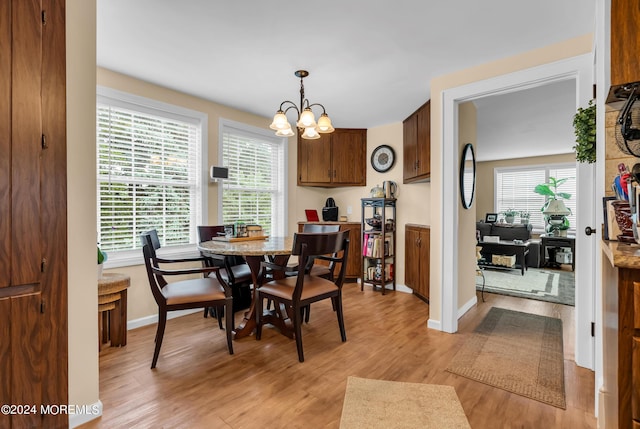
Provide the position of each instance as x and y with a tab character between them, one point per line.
254	250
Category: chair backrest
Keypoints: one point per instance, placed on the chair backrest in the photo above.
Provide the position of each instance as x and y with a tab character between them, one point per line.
156	281
316	228
207	232
310	245
153	236
319	228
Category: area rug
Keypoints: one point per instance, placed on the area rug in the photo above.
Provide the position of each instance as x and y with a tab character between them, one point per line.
540	284
371	404
518	352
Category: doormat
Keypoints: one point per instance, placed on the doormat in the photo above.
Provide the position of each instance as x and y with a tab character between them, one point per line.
518	352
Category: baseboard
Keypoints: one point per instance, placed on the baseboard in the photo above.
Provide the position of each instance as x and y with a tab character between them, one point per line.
153	319
467	306
90	412
434	324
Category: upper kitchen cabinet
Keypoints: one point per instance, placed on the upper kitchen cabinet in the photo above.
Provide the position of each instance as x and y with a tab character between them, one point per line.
416	143
334	160
625	42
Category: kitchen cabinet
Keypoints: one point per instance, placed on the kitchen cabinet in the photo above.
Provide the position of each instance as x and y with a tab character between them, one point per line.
416	259
416	145
625	42
353	259
621	336
33	234
334	160
379	243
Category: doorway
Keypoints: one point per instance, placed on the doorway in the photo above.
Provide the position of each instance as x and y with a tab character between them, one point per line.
579	70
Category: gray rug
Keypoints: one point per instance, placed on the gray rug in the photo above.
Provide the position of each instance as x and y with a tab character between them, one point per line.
541	284
518	352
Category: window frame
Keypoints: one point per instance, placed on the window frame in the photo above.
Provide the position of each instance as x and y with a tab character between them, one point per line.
268	134
106	95
546	168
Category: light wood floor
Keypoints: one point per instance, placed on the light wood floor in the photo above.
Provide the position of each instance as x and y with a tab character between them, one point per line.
197	384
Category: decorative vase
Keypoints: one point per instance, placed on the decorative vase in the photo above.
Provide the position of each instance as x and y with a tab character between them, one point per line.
509	219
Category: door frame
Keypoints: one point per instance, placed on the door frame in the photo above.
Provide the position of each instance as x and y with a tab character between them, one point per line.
580	70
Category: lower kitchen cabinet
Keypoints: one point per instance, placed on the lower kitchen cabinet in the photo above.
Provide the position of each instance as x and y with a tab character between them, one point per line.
416	259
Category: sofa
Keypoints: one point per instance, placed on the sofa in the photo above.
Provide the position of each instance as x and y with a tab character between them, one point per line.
510	232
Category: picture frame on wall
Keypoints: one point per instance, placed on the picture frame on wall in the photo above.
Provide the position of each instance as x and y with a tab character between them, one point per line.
491	217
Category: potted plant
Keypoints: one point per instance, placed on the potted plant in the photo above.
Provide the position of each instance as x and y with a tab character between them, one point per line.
584	125
509	215
102	257
524	217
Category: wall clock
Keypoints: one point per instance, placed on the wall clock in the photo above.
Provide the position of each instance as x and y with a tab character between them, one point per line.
382	158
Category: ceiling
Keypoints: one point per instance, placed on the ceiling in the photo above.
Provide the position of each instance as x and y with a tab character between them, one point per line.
370	61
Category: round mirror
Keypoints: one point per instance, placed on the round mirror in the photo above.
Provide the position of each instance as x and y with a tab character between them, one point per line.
467	176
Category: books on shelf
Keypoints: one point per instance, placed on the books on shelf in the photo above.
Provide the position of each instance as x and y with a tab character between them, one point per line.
374	272
377	245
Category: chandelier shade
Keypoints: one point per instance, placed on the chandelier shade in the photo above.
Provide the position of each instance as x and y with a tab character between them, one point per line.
305	121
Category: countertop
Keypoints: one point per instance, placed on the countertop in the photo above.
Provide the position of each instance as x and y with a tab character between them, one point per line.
622	255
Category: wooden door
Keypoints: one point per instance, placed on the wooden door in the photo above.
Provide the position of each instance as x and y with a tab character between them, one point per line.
423	149
354	260
412	257
423	261
348	154
33	235
409	147
314	161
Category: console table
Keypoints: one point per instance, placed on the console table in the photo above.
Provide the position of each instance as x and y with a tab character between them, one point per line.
509	248
569	241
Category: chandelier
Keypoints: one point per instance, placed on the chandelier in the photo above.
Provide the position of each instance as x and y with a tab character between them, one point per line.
306	119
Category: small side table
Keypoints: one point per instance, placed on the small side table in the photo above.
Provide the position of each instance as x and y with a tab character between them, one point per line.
554	241
112	309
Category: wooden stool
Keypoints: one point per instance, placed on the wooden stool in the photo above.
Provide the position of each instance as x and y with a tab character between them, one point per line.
112	309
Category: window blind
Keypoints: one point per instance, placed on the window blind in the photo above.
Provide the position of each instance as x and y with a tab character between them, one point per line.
514	190
254	193
148	176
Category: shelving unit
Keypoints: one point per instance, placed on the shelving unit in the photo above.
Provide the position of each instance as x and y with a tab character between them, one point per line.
379	243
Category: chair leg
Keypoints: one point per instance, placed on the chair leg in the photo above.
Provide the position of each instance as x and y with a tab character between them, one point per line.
338	303
229	322
220	311
297	322
162	322
259	311
206	312
307	311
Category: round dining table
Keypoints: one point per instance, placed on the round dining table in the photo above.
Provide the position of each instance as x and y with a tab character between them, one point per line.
254	250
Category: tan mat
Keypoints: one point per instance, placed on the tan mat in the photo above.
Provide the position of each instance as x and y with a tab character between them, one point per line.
371	404
517	352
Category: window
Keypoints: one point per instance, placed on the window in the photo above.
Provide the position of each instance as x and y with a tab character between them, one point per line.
149	172
514	189
255	192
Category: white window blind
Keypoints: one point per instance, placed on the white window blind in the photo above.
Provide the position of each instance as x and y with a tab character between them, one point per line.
254	193
149	175
514	190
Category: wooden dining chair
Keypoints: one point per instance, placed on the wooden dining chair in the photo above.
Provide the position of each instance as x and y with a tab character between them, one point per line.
209	291
235	272
294	293
321	270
